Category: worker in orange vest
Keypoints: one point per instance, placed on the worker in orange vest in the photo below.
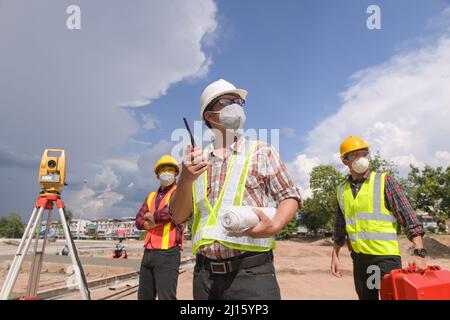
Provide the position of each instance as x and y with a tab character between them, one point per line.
163	242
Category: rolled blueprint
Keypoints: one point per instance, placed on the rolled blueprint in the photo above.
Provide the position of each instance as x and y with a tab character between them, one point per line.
237	219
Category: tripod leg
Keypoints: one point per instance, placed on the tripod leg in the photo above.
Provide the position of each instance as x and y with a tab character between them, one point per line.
38	257
19	248
20	255
79	273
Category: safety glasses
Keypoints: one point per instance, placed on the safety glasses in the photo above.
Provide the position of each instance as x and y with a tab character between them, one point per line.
356	155
226	102
167	170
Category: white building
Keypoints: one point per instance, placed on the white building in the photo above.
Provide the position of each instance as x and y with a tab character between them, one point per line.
77	227
108	228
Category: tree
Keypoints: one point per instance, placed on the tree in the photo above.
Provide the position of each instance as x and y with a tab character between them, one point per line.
319	210
289	229
11	226
69	216
378	164
445	204
429	189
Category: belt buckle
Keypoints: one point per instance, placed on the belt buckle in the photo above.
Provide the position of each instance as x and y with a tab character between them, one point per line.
218	267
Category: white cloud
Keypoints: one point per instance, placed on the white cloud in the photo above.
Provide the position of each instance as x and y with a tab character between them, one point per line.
121	185
442	158
150	122
127	165
300	169
107	178
402	109
91	204
63	88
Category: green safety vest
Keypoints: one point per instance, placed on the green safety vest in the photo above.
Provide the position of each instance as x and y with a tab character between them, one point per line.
206	227
372	229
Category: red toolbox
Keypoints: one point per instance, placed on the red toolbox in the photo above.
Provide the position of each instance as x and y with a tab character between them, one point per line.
405	284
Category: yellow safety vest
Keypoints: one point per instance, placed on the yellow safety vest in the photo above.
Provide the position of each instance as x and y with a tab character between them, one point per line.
206	228
372	229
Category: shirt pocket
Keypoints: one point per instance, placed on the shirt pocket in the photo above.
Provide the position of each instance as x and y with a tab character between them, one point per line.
255	182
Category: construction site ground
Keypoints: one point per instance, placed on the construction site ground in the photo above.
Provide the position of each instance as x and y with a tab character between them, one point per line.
302	268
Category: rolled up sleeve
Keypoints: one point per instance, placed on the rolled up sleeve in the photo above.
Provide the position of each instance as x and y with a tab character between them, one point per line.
400	206
280	184
140	216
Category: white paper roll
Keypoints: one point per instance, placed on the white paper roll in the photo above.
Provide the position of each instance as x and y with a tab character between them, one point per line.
237	219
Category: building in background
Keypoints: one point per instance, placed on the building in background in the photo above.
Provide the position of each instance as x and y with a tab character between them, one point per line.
112	228
78	228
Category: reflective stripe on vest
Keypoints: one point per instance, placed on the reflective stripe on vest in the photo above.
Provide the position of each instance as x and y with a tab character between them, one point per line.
206	228
163	236
372	229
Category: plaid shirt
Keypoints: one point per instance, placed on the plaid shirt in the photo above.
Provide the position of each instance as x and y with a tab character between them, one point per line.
268	183
160	216
395	201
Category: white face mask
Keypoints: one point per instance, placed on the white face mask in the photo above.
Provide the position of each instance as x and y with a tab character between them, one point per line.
361	165
166	179
232	117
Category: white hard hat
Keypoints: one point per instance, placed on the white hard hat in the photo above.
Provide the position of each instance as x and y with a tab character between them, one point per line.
216	89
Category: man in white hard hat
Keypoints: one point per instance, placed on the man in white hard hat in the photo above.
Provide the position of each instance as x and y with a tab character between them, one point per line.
232	171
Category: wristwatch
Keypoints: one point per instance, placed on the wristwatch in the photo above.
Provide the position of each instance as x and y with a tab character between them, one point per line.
422	252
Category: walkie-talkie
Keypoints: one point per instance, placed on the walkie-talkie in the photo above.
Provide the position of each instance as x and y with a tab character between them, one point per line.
190	134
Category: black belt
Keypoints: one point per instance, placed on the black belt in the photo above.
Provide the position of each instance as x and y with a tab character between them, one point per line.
233	264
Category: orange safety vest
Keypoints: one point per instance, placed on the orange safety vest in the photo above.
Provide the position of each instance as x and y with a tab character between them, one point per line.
164	235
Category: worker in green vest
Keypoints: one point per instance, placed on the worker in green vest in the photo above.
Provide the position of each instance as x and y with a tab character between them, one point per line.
370	205
233	171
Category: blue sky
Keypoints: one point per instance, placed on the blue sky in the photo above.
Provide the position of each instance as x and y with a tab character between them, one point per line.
293	57
312	68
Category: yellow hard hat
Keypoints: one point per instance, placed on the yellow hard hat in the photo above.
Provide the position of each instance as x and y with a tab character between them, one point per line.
352	143
166	160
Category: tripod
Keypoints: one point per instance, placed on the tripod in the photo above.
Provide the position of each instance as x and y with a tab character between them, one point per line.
44	201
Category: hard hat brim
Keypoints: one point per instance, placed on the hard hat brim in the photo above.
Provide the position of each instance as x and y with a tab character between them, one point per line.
167	164
343	155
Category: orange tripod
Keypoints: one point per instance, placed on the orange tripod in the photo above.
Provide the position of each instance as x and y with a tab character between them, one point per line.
45	201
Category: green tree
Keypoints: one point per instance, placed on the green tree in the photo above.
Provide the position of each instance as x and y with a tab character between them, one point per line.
289	229
11	226
430	189
319	210
69	216
445	192
378	164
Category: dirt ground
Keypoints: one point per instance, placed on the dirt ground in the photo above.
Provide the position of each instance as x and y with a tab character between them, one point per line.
302	268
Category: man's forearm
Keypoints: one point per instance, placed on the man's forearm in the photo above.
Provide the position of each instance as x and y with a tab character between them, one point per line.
417	241
181	202
285	212
336	249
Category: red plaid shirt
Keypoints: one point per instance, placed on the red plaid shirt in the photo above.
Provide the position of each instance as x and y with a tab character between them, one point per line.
268	183
160	216
395	201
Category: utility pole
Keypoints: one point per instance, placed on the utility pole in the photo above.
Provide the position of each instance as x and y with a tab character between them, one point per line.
79	220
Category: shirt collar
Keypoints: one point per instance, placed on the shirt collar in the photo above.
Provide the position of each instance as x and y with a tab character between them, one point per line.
166	189
230	149
364	178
